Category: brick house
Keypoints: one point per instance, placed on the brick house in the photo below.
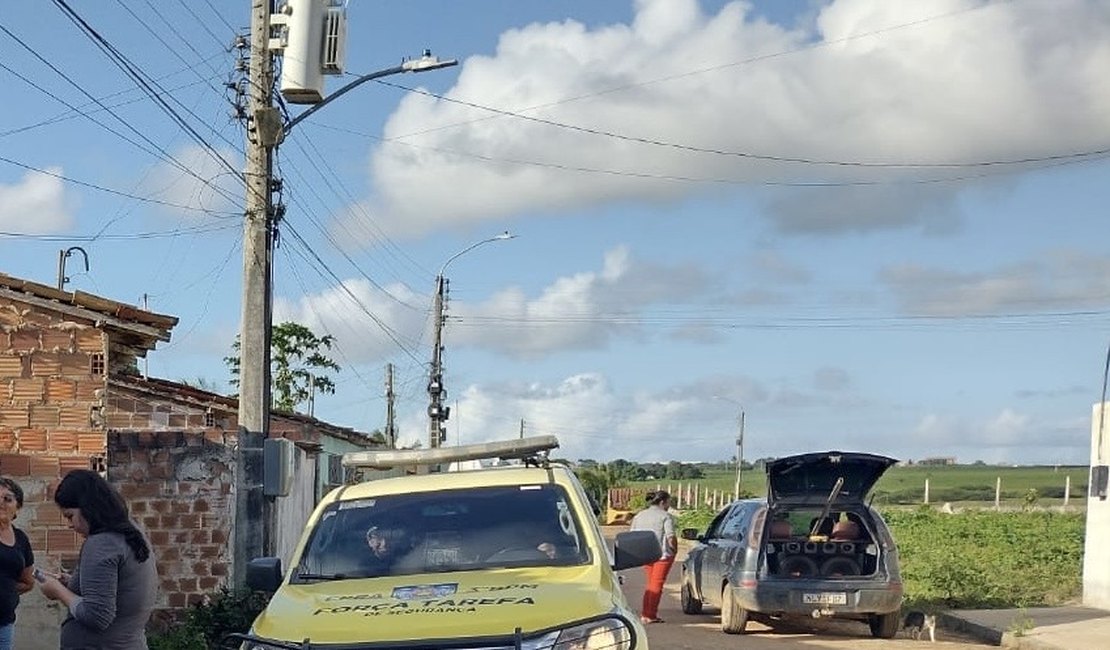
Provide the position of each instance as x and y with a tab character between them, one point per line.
71	397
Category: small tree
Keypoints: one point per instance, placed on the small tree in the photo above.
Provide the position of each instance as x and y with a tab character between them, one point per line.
298	366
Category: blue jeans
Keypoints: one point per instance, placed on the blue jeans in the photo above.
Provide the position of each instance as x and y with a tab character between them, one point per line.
6	634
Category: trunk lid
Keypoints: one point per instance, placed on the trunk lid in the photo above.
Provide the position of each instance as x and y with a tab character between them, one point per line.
810	478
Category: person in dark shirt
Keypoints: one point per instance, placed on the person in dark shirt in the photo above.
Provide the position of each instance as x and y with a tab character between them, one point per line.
386	544
17	561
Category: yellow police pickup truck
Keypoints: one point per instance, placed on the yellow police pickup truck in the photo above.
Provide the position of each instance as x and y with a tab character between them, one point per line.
499	558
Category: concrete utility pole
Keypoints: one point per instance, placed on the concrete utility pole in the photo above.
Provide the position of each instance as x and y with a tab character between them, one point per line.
263	133
436	414
390	422
739	456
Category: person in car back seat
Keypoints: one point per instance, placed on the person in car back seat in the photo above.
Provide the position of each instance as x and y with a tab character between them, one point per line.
781	529
845	530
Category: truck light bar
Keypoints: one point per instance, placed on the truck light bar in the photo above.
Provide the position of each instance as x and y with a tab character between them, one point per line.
503	450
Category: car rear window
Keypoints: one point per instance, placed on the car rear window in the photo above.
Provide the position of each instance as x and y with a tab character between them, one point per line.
450	530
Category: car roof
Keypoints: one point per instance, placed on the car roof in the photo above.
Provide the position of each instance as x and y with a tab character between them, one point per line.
477	478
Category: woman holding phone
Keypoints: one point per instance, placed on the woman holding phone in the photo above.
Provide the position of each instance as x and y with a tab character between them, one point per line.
17	561
111	593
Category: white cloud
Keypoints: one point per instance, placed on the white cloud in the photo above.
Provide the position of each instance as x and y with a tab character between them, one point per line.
37	204
209	186
1061	280
581	311
949	80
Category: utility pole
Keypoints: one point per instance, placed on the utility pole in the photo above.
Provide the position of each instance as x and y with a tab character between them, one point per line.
522	428
390	423
739	455
436	392
252	536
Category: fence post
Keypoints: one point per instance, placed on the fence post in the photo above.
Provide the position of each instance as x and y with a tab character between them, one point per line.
926	491
998	493
696	502
1067	489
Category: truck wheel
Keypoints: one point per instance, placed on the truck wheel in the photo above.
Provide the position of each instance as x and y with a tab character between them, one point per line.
734	618
690	605
884	626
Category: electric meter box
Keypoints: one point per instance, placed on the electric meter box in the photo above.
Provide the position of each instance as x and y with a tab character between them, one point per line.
278	466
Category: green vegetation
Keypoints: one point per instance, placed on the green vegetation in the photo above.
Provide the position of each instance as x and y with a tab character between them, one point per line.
986	559
205	624
956	484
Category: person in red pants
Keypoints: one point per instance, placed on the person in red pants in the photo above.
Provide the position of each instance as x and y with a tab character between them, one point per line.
656	518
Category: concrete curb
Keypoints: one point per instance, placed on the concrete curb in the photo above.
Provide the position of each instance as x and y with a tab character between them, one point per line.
983	633
992	635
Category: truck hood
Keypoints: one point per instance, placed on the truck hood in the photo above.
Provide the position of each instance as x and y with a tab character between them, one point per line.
435	606
810	478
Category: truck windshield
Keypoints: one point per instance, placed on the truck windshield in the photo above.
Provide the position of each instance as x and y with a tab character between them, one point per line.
450	530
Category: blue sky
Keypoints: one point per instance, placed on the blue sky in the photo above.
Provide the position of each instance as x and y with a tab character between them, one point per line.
810	210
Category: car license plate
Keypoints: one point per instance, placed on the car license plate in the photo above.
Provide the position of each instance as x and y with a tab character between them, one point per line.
826	598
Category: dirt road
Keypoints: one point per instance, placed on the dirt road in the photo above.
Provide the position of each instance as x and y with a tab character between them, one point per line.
682	632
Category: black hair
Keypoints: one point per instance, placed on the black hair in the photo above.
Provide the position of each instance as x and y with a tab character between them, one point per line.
658	497
102	507
14	488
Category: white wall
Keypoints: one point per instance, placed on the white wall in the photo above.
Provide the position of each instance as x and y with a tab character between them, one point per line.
1096	551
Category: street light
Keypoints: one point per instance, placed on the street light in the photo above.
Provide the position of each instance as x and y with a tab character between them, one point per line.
739	443
437	412
423	64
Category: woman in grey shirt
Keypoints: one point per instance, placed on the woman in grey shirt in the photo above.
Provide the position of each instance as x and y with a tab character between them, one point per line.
111	594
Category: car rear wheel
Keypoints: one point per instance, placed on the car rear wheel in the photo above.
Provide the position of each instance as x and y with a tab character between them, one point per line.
884	626
690	604
734	618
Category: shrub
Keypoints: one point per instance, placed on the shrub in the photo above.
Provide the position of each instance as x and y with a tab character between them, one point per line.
987	559
206	623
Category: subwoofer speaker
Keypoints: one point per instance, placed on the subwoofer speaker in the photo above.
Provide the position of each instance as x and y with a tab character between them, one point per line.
839	566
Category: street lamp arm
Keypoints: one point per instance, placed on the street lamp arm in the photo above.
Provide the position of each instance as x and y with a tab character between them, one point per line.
424	63
503	236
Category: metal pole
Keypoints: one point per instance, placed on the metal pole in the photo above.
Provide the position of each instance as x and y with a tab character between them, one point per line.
61	270
250	538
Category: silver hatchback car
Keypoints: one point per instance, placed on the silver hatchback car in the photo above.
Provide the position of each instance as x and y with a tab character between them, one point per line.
813	548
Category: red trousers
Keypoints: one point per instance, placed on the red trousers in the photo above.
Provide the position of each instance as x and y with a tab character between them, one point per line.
656	574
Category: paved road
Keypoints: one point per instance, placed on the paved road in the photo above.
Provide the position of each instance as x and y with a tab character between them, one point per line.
682	632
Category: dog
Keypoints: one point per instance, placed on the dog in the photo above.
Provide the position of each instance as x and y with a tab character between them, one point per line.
917	623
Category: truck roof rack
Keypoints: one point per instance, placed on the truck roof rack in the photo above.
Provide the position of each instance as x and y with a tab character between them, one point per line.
532	450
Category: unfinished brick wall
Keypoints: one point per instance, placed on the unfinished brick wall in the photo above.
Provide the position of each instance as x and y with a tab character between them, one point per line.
179	486
50	401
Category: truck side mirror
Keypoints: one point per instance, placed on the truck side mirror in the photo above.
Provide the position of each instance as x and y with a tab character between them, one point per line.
264	574
635	548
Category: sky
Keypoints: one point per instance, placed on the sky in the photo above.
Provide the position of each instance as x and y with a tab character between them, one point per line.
865	225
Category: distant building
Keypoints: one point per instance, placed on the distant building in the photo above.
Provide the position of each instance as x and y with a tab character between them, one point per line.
938	460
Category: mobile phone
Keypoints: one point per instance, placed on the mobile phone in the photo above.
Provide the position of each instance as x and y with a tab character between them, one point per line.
39	575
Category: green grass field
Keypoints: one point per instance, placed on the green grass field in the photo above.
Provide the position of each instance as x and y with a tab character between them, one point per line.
958	484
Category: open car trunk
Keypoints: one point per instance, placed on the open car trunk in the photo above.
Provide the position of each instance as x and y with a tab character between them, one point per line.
799	544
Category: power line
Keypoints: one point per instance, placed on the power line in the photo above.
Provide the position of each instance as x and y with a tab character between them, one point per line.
144	82
108	190
154	234
325	270
331	240
158	151
77	111
1092	153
